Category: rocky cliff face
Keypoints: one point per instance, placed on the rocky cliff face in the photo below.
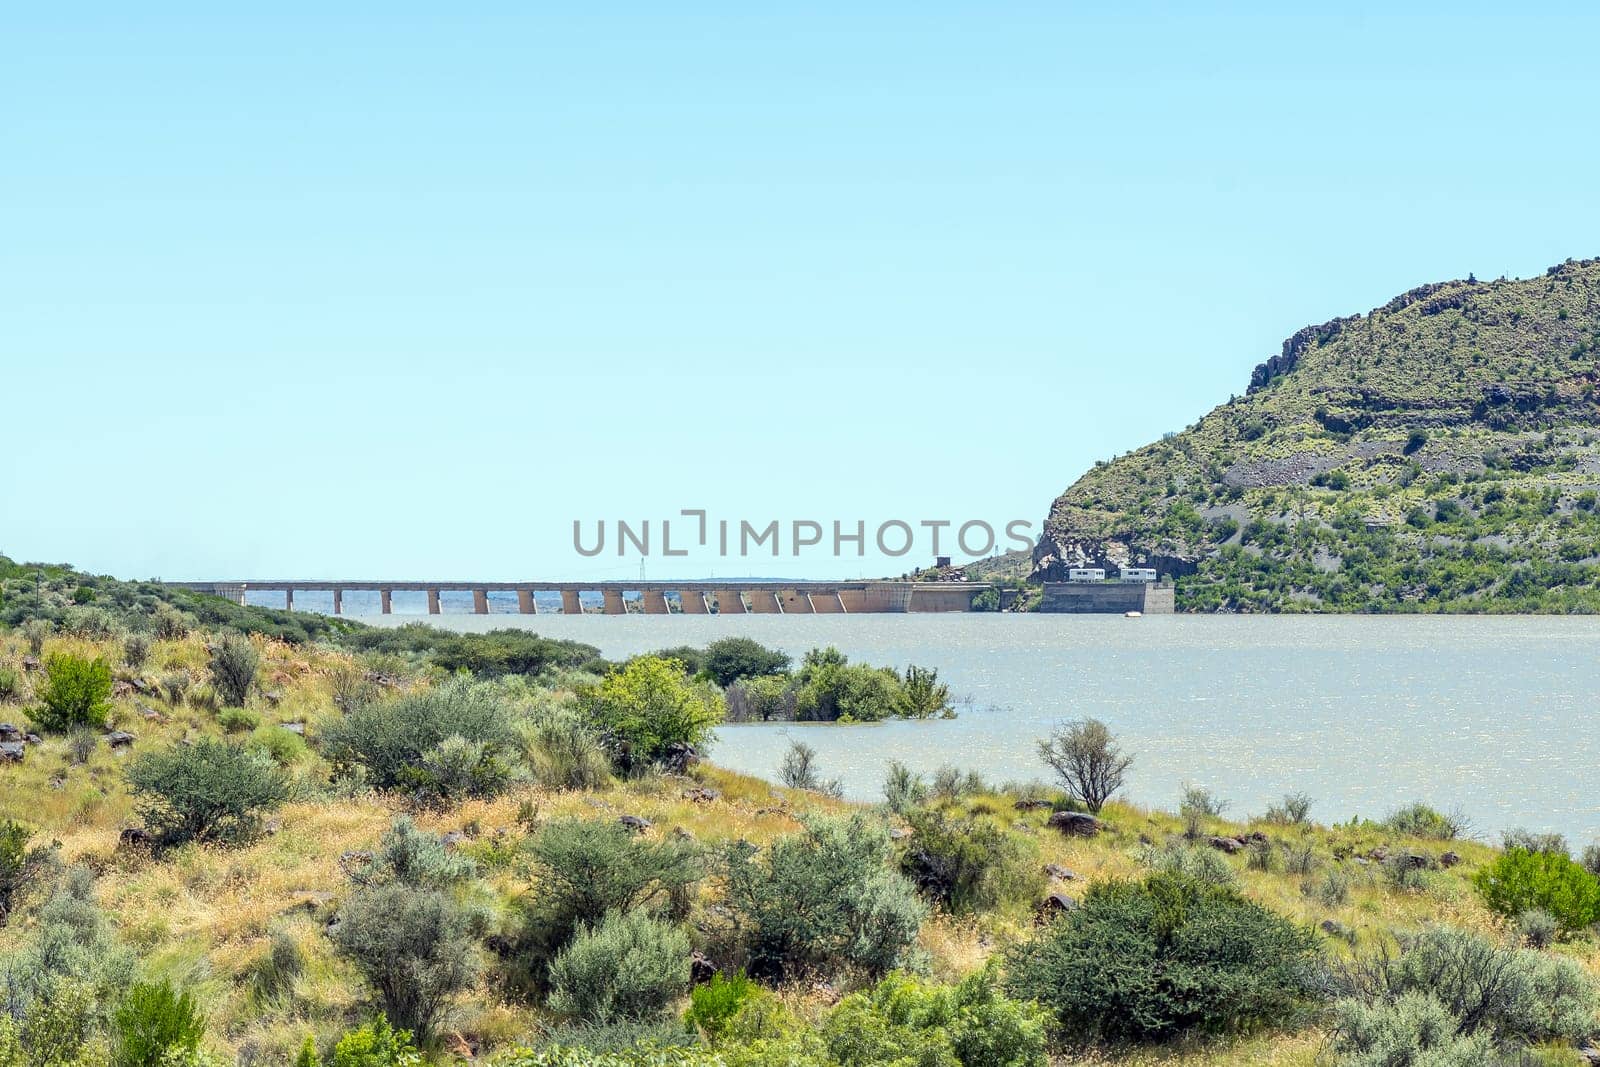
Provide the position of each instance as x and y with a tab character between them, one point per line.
1451	430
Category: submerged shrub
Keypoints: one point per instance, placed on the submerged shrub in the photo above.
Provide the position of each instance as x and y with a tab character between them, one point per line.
822	899
209	791
76	692
629	966
832	689
392	739
732	659
969	865
1087	760
923	695
1145	961
1519	880
234	660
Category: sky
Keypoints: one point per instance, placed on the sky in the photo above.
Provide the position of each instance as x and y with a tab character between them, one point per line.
405	290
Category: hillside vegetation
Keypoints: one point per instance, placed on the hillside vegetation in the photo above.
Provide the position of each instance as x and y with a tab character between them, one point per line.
226	844
1440	453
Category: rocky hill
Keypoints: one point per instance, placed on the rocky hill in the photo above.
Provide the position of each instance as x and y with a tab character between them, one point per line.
1440	453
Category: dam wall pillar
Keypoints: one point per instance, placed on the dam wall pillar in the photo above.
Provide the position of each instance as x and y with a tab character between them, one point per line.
433	602
728	601
338	601
764	602
288	600
525	603
613	602
692	602
654	601
480	602
570	604
386	601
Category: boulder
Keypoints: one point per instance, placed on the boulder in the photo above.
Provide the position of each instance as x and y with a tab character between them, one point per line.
31	663
453	840
9	732
1057	904
702	794
1055	870
679	758
118	739
899	833
1230	845
1410	861
1449	859
1031	804
294	727
354	860
134	837
274	698
34	739
636	823
701	970
1333	928
1074	823
12	751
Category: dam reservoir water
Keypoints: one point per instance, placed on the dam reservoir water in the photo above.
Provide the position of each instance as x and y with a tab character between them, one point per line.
1495	716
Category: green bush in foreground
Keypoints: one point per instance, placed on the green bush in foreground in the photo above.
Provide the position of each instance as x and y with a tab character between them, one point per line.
629	966
394	740
155	1022
376	1044
76	692
1146	961
1518	881
209	791
905	1020
969	865
648	710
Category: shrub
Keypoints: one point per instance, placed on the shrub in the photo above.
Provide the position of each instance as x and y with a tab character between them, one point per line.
283	747
713	1004
1591	859
1519	880
457	768
636	1054
969	865
170	624
1145	961
799	770
762	699
238	720
824	898
76	692
1190	861
734	658
176	686
1529	841
903	789
591	868
1087	759
209	791
1332	889
154	1022
17	864
416	858
10	683
415	948
391	739
1413	1029
1419	820
987	600
923	695
630	966
1537	927
376	1044
903	1020
36	632
1196	806
566	753
649	711
1510	994
135	650
1294	811
833	689
233	668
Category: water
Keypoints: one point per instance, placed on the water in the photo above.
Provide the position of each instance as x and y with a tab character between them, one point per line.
1494	716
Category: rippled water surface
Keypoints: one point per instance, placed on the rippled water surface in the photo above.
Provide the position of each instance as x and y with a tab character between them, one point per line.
1494	715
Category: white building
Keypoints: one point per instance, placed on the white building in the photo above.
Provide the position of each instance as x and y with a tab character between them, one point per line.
1136	574
1086	574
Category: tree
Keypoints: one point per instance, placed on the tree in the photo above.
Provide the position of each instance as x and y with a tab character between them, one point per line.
733	658
208	791
649	710
1087	759
77	692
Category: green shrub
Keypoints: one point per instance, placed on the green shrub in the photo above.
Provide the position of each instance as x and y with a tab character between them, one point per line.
903	789
135	650
969	865
565	752
238	720
649	711
10	684
713	1004
768	698
1196	862
416	858
392	739
629	966
734	658
1413	1029
14	839
799	771
824	898
640	1055
1419	820
415	947
36	632
903	1020
376	1044
1529	841
234	660
987	600
1146	961
283	747
155	1021
1519	880
456	769
1294	811
1537	928
209	791
831	689
76	692
170	624
1507	993
1332	889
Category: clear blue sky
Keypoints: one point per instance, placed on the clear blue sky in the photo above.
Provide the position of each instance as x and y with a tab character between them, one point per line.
404	289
